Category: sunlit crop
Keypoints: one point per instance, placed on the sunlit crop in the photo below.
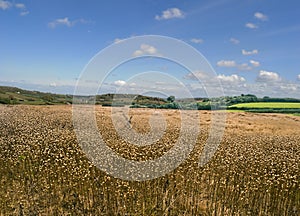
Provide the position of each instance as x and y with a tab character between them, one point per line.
43	171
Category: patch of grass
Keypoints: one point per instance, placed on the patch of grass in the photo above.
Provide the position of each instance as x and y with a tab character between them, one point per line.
234	111
267	105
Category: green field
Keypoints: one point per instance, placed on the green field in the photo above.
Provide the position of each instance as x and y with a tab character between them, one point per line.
261	105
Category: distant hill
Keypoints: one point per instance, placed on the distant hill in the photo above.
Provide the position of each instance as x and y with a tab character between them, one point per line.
13	95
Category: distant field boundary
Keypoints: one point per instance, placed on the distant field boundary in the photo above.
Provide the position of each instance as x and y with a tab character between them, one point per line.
267	107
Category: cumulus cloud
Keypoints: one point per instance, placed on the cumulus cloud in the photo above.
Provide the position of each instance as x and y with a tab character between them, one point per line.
5	4
233	79
251	25
170	13
197	40
255	63
260	16
146	49
268	76
119	83
226	63
53	84
66	22
253	52
234	41
267	83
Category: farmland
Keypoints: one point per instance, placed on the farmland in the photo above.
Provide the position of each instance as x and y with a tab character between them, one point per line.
43	170
268	105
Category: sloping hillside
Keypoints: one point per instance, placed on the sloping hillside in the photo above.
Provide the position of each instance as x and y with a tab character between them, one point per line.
13	95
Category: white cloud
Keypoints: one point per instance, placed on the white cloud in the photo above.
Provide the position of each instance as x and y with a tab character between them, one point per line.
5	5
233	64
288	88
251	26
66	22
244	52
298	77
24	13
268	76
197	40
260	16
146	49
234	41
53	84
120	83
226	63
20	6
199	75
244	67
233	79
255	63
170	13
118	40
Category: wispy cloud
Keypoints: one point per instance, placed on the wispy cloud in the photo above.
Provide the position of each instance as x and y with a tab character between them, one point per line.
244	67
298	77
170	13
20	6
197	40
255	63
253	52
118	40
226	63
66	22
146	49
285	30
24	13
5	4
234	41
199	75
240	67
251	25
261	16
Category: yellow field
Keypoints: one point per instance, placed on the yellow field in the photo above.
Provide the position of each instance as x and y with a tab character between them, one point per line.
43	171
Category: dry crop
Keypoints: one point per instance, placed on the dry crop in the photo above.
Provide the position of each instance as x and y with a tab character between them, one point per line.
43	171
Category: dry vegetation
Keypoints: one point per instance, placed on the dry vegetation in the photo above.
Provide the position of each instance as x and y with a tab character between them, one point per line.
44	172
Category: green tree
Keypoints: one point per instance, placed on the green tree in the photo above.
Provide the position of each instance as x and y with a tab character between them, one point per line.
171	99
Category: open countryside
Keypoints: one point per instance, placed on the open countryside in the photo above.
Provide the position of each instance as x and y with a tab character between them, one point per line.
44	171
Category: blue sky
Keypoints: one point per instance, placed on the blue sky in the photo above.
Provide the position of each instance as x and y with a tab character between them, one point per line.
253	45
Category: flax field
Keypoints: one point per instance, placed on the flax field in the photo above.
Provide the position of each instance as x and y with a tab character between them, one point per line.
43	170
